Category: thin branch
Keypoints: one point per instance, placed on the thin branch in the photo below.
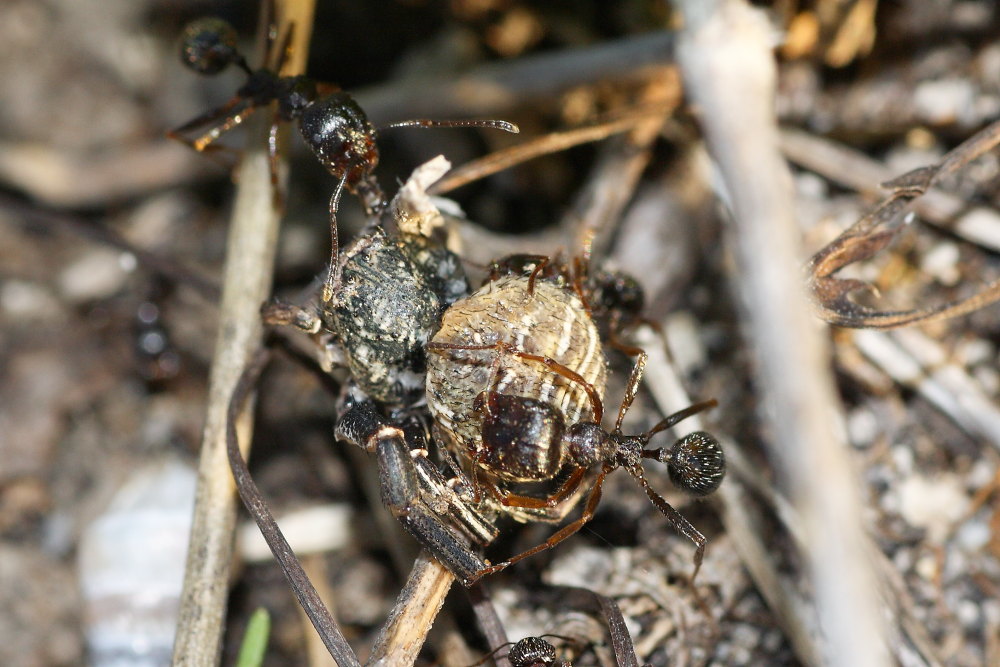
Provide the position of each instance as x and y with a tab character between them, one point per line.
612	181
305	592
791	609
489	621
497	88
553	142
853	169
916	361
246	284
725	56
411	618
165	267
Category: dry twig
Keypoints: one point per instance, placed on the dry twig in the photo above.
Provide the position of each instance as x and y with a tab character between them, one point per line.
411	618
498	88
853	169
246	284
729	71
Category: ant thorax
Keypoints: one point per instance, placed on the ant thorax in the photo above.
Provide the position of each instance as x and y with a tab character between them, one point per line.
501	319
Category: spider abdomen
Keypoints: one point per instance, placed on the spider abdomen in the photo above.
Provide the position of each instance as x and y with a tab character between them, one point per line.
548	321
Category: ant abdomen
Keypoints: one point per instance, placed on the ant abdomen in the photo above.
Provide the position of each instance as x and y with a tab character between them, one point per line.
208	45
696	463
522	437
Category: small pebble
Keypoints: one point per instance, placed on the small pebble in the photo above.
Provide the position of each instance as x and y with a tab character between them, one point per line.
980	474
975	351
862	427
944	100
942	263
28	301
96	275
967	612
933	503
746	636
988	379
927	567
902	458
973	536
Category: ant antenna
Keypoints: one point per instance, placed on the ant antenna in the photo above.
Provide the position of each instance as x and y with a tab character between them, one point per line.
487	124
491	654
332	283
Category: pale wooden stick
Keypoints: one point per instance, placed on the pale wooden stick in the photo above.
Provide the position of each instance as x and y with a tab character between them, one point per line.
497	88
725	55
411	618
914	360
789	606
246	284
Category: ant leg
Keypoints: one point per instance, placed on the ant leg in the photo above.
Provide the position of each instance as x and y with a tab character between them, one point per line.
595	401
205	141
631	388
542	263
562	533
674	518
618	344
567	488
332	284
679	416
579	273
615	329
206	118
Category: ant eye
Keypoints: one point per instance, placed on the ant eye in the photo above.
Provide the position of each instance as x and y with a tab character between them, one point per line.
696	463
208	45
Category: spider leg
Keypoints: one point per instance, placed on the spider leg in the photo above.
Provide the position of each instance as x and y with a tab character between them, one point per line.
503	347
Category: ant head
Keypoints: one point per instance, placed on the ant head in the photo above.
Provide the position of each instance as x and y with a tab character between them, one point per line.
521	436
614	291
341	136
695	463
209	45
531	651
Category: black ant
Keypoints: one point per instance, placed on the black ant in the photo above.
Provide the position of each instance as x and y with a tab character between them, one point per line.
530	652
330	122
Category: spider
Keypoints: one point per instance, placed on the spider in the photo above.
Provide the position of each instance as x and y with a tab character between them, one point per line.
515	383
